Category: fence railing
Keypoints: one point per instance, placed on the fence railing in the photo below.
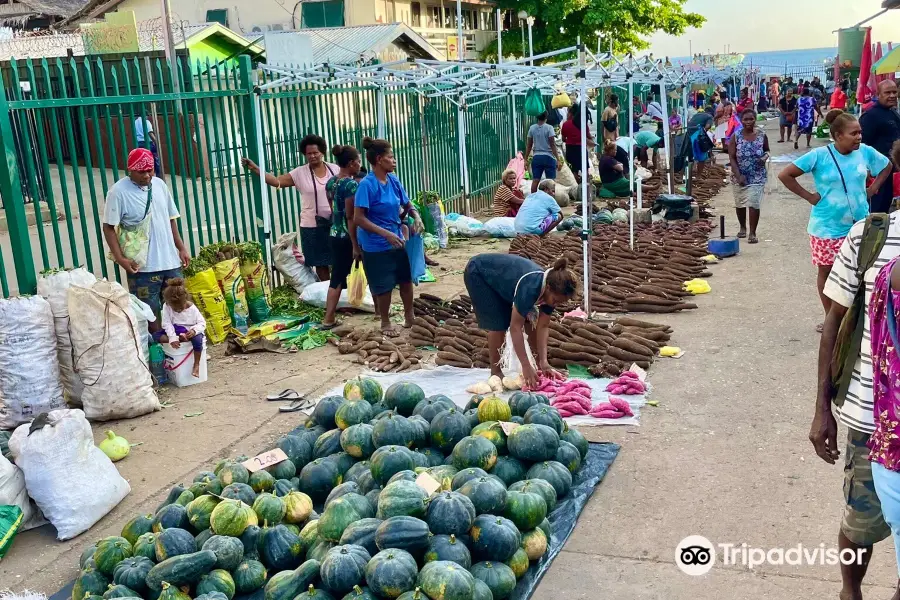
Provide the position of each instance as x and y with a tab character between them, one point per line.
67	126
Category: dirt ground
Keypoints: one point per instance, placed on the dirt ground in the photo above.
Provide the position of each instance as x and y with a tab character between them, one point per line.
724	455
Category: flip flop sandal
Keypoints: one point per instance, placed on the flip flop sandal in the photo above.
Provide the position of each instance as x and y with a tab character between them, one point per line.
287	394
327	327
741	235
753	240
296	406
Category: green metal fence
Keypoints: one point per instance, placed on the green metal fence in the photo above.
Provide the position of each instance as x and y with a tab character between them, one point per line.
67	126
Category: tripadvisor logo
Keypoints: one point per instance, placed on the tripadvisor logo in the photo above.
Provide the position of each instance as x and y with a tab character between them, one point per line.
695	555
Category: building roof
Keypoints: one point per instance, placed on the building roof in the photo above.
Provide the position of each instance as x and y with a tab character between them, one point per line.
350	45
890	4
62	8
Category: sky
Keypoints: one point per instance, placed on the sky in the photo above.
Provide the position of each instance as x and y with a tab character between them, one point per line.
764	25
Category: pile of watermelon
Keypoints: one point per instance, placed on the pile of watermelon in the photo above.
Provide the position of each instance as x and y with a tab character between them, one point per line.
349	515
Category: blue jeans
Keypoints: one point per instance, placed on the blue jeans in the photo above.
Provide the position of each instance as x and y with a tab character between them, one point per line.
543	165
887	486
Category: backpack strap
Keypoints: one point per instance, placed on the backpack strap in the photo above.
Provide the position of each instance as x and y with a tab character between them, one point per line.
849	338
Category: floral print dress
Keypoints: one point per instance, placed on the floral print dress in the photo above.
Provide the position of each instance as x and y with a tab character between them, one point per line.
885	442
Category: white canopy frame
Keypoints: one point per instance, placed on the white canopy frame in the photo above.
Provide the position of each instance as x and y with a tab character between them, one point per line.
469	83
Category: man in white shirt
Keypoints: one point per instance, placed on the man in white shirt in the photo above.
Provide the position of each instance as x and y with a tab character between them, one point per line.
141	125
130	200
863	524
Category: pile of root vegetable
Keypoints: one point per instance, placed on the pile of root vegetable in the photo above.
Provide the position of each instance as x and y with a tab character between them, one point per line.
376	351
648	279
460	343
439	309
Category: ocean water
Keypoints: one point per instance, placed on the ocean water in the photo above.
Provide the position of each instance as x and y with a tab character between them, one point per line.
804	62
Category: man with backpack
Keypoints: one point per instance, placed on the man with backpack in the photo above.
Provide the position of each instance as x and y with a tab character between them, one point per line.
845	380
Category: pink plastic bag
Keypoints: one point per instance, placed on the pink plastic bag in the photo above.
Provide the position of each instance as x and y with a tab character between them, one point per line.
518	165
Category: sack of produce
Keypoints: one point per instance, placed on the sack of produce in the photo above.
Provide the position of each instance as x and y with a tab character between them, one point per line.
206	294
465	226
561	100
534	102
13	493
57	453
501	227
54	286
144	315
228	274
108	358
288	259
29	368
256	281
564	176
317	293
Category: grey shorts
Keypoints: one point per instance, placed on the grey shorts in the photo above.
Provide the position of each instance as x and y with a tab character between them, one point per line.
748	196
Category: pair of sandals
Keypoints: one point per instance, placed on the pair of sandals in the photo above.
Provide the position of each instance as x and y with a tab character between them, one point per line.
752	240
297	401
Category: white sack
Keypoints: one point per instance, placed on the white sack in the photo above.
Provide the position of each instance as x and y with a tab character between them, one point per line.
12	492
317	293
288	260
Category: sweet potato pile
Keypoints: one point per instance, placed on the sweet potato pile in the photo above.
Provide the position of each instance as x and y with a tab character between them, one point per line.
377	352
647	279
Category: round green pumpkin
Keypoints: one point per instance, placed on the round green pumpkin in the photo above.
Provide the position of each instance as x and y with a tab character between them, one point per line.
279	548
217	580
87	555
466	475
519	563
145	546
491	431
348	487
448	428
297	449
431	406
555	474
132	573
269	509
494	538
497	576
473	402
110	552
249	576
421	431
281	470
545	415
340	513
389	460
239	491
232	517
403	397
391	572
360	593
137	527
229	551
445	580
250	542
509	470
448	548
173	515
363	388
535	543
450	513
358	471
472	415
401	498
174	542
201	537
343	462
547	529
120	591
574	437
415	594
488	494
520	402
533	443
405	533
318	478
569	456
525	509
362	533
325	410
344	568
353	413
474	451
517	420
319	550
91	582
200	510
493	408
482	591
233	473
393	430
327	444
283	487
356	440
433	456
538	486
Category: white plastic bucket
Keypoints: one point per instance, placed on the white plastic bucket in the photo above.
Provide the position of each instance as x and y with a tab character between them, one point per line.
180	363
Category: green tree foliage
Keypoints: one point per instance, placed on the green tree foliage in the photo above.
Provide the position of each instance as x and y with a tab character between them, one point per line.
626	22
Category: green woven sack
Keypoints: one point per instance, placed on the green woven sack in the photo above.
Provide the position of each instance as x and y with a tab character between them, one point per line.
534	103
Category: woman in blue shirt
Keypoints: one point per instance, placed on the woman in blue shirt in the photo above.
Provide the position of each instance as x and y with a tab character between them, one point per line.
380	206
841	199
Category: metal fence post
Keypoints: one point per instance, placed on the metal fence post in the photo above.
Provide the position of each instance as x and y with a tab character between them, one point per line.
14	203
254	145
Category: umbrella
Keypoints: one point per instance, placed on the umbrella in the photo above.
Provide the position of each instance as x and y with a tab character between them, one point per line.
889	64
863	92
879	77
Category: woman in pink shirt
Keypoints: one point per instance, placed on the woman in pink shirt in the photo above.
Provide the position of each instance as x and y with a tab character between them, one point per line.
315	210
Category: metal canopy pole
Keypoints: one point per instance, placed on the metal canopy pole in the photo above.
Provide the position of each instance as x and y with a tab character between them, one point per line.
463	159
667	144
631	134
263	188
380	109
586	200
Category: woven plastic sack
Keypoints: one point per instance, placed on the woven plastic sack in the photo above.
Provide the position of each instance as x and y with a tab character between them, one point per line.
206	294
144	315
317	295
56	455
534	103
108	355
288	259
357	284
501	227
55	287
437	214
228	274
12	492
256	289
29	368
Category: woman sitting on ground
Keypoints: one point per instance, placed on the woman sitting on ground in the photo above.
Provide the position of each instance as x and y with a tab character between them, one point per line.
612	174
508	198
539	213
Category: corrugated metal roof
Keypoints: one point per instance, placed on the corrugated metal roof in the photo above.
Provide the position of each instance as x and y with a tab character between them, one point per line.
350	45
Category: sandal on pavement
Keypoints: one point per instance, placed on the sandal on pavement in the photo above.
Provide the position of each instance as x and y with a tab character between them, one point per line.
329	326
287	394
753	240
296	406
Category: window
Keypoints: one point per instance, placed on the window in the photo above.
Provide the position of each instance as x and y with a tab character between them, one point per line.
329	13
416	14
217	15
436	20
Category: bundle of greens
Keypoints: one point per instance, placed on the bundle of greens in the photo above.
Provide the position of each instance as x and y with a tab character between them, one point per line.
284	301
249	252
196	265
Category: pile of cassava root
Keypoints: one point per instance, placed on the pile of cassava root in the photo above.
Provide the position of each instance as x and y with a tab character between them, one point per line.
377	352
460	343
440	309
648	279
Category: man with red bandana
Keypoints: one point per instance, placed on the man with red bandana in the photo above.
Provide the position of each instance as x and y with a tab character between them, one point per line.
130	201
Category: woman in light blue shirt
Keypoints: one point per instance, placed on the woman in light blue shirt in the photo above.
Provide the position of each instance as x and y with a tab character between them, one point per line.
840	171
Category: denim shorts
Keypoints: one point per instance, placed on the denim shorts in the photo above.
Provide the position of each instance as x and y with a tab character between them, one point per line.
543	165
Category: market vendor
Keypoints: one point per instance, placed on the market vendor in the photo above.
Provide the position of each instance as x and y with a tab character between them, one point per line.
643	142
512	293
315	209
508	197
612	173
380	206
539	213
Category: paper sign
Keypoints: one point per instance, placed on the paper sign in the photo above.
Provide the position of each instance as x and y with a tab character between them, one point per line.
266	459
428	483
508	426
642	374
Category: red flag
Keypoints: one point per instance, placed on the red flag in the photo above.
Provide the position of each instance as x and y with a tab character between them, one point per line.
863	91
875	59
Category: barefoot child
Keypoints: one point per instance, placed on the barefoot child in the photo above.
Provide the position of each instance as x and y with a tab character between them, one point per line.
181	321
